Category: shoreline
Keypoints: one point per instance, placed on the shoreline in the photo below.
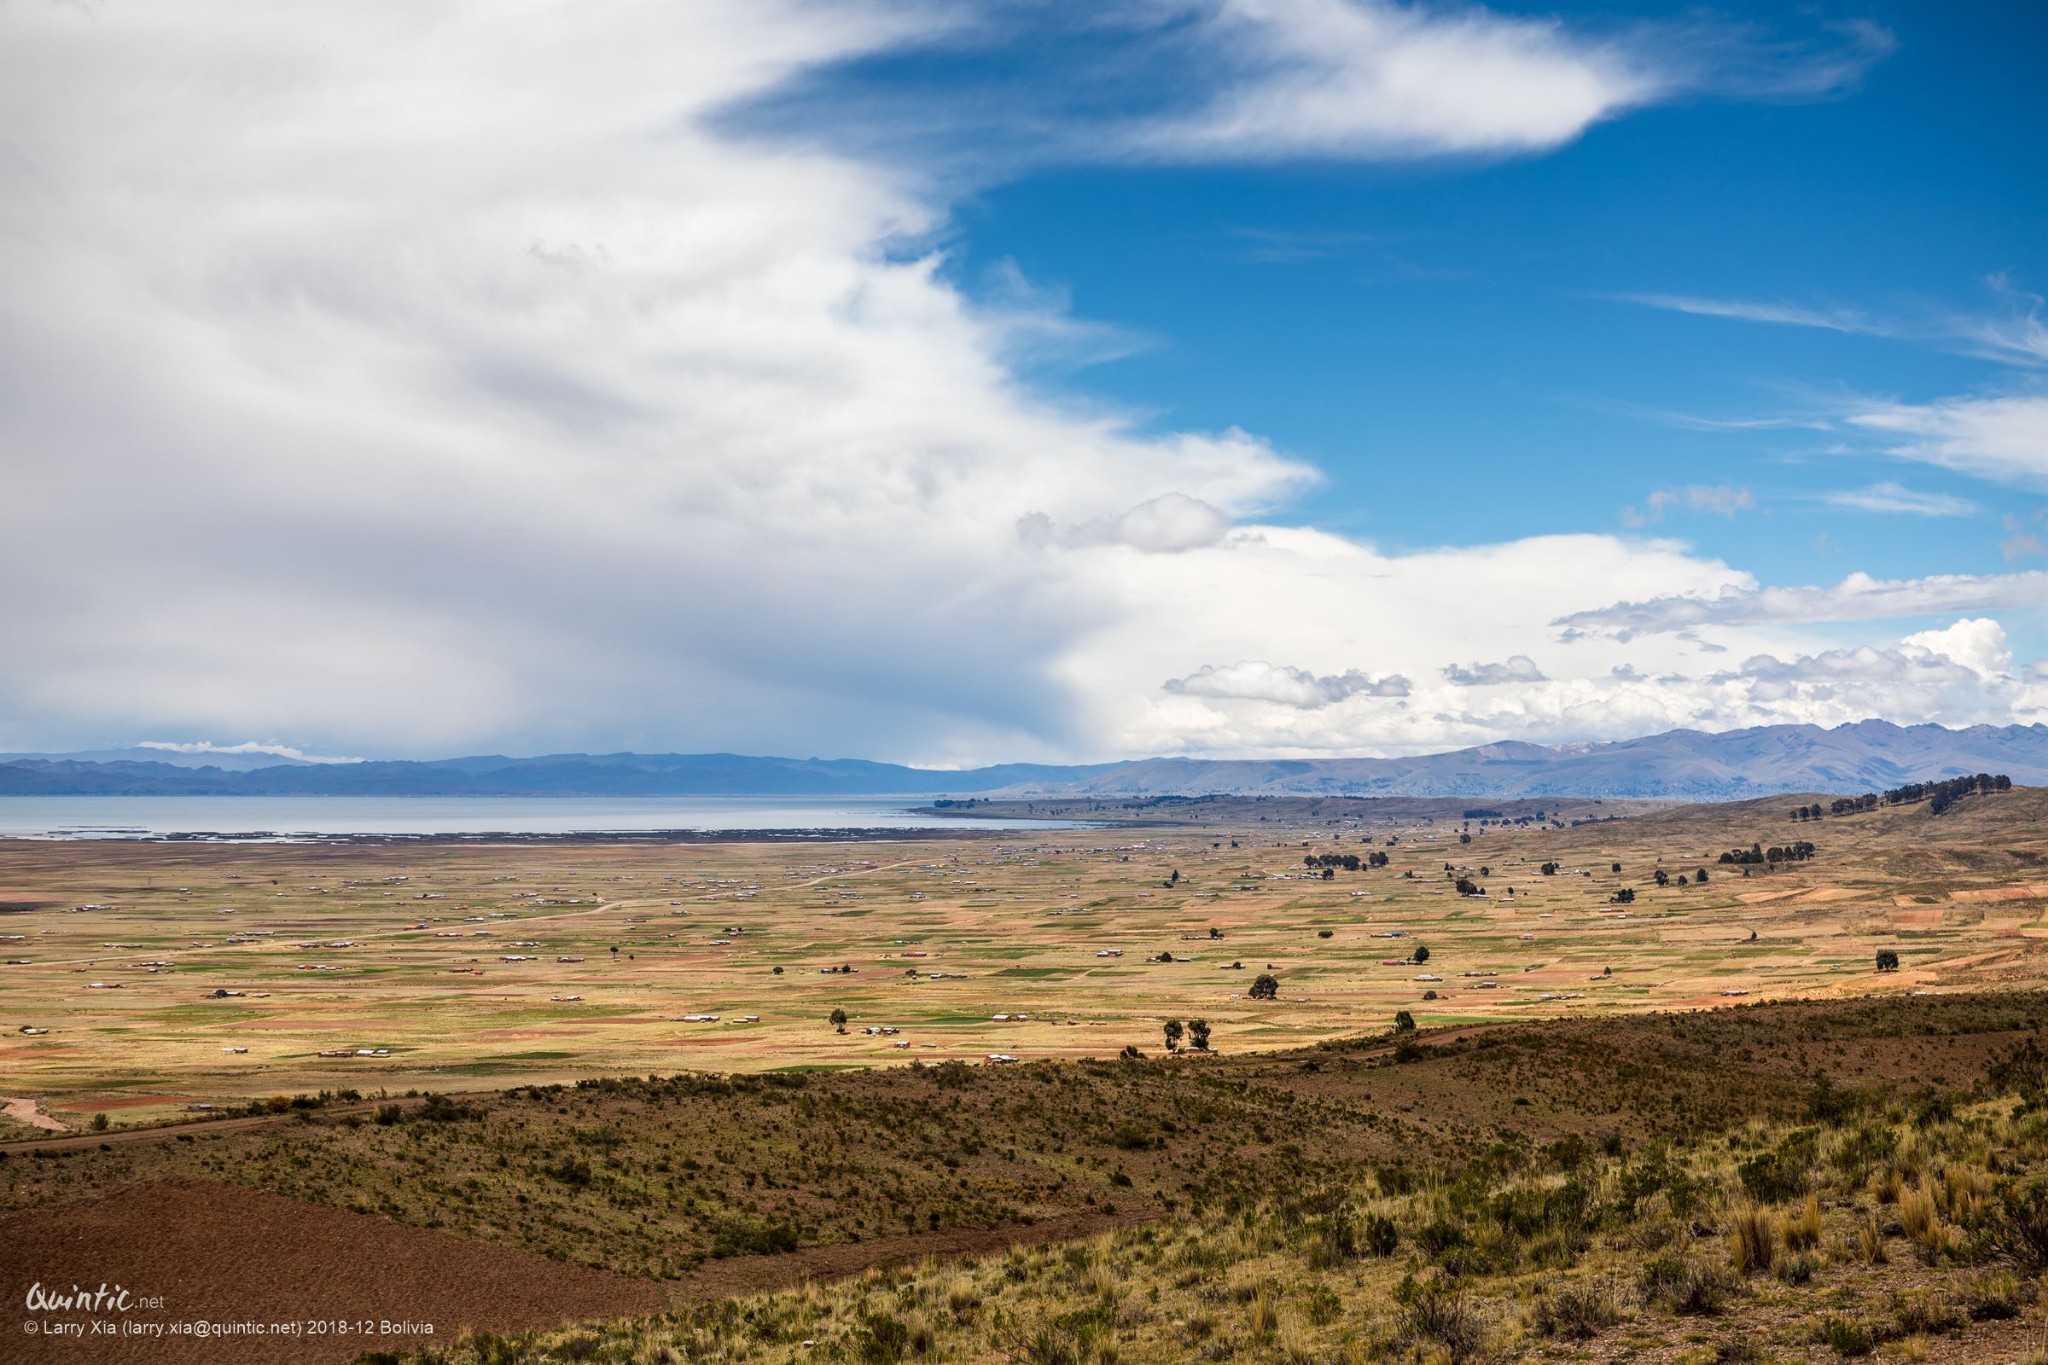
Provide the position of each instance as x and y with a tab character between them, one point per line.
784	835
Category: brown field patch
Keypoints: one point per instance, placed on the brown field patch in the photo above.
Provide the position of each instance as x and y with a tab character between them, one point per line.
225	1254
2018	891
1824	895
111	1102
1056	925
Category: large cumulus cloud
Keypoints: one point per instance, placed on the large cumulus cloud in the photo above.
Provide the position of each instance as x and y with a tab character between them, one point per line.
429	378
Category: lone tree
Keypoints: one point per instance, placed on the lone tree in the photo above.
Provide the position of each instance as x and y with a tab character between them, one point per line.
1404	1022
1264	987
1419	956
1173	1035
1198	1034
1887	960
837	1019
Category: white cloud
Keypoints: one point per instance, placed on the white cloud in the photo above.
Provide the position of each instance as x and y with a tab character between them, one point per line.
1255	680
1859	597
246	747
1978	645
1368	78
1952	676
1338	78
2012	335
2004	440
1518	668
1167	524
468	391
1721	500
421	379
1755	310
1896	499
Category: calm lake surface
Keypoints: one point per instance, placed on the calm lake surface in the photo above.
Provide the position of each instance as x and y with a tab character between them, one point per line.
287	817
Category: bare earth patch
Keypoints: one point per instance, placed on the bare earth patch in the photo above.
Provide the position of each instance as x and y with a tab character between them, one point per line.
29	1111
224	1254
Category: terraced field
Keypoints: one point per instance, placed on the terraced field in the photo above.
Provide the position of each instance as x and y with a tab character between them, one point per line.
144	979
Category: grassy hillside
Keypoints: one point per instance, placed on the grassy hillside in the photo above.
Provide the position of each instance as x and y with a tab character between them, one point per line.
1916	1228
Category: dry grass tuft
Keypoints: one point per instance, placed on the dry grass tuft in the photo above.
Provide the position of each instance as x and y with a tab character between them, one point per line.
1802	1230
1752	1239
1918	1215
1870	1240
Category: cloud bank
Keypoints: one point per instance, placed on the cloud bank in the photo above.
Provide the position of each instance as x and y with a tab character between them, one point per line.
1859	597
411	379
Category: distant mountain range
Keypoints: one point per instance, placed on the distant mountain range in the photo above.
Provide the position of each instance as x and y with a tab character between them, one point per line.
1866	756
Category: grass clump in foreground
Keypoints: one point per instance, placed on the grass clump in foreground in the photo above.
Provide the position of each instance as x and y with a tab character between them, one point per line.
1878	1225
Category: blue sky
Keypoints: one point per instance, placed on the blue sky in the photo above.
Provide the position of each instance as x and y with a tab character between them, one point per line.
1453	342
954	383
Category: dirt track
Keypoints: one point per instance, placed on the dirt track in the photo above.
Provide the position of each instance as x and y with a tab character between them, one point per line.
69	1140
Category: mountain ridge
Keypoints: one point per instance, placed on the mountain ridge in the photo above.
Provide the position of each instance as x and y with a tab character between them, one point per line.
1697	764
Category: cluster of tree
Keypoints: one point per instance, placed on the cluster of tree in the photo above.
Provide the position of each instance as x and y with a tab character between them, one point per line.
1625	896
1484	814
1941	795
1887	960
1757	853
1196	1032
1349	862
1811	812
1264	987
1548	869
1467	887
1664	878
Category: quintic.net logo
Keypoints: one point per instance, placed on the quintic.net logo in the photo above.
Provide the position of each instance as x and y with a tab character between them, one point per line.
101	1300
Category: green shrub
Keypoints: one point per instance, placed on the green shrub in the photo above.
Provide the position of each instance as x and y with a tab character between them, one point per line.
1995	1297
1378	1235
2019	1228
881	1340
1577	1312
1444	1317
1682	1284
1845	1336
1923	1311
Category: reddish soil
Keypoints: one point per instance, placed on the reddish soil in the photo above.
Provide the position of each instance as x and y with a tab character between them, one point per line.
223	1254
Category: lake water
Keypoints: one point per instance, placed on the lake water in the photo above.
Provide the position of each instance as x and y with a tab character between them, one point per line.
288	817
